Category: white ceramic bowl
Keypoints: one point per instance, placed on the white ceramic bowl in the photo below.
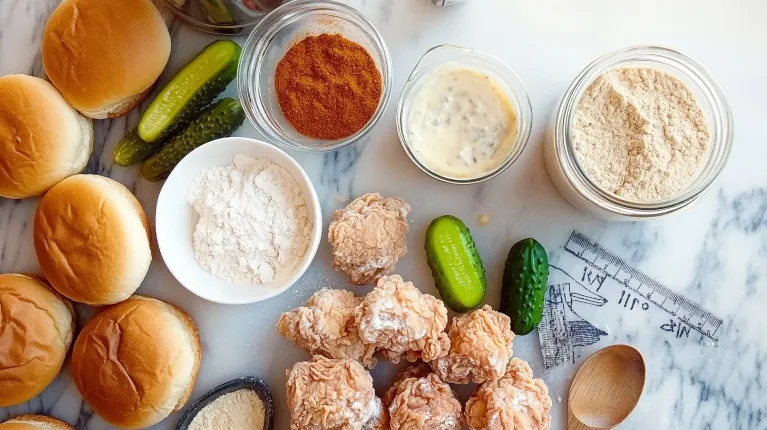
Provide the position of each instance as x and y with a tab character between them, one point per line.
176	220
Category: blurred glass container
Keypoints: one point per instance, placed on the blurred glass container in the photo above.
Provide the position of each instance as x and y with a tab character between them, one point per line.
226	17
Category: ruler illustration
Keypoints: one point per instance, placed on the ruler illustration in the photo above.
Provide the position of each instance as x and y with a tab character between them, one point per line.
590	287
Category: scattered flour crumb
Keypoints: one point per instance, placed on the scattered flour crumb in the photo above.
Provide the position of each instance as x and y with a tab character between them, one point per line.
484	219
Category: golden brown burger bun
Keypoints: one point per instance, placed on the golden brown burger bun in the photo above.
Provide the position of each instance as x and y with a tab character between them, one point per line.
136	362
105	55
35	422
36	329
42	139
92	240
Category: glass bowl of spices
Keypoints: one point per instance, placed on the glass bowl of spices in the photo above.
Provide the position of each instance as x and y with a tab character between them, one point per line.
641	132
464	116
314	76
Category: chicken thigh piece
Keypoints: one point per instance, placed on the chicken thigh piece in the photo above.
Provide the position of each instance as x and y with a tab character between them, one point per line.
325	326
480	347
420	400
368	237
332	394
516	401
403	322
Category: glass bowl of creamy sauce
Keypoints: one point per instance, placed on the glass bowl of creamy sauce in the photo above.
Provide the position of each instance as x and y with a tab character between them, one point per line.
464	116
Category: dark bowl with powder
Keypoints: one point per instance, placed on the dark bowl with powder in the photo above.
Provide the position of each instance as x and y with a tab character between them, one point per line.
251	383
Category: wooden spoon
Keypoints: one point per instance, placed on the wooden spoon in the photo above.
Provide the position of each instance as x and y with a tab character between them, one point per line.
607	387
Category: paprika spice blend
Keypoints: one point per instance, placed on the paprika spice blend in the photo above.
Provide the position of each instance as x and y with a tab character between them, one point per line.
328	87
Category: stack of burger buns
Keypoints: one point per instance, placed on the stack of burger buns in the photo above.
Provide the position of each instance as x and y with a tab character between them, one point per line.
137	360
103	57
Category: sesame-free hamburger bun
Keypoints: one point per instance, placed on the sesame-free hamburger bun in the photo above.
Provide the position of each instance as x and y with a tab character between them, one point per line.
105	55
92	240
35	422
136	362
42	139
36	329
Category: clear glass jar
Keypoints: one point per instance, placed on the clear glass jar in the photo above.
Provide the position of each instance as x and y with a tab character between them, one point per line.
438	57
268	43
244	14
572	181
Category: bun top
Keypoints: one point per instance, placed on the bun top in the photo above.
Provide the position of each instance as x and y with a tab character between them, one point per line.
92	240
102	53
42	139
35	422
137	361
36	329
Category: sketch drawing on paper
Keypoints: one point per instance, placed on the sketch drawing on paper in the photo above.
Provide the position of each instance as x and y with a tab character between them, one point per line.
590	286
563	329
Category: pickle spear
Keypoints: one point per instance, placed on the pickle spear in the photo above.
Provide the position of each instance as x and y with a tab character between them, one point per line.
194	87
219	120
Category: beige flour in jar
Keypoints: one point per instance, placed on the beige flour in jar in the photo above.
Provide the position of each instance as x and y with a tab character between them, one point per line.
640	133
238	410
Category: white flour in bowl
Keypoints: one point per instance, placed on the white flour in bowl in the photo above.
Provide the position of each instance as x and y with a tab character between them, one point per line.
254	225
640	133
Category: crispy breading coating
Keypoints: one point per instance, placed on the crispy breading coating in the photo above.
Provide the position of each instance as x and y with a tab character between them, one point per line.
419	399
325	325
517	401
368	237
480	347
325	394
403	322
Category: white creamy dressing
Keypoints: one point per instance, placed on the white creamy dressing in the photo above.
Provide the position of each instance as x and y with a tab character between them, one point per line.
461	123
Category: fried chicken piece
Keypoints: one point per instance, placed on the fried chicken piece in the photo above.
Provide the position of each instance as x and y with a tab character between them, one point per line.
417	370
333	394
419	399
401	321
325	326
514	402
480	347
368	237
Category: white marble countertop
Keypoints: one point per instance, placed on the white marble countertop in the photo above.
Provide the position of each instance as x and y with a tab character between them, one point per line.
714	253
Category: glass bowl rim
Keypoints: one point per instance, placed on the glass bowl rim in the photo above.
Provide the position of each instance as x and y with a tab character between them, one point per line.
524	112
720	143
211	28
251	61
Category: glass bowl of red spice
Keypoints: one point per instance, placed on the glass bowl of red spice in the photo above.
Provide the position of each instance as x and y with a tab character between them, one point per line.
314	76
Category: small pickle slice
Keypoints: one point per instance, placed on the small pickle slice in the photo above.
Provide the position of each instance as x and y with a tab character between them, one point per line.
455	263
